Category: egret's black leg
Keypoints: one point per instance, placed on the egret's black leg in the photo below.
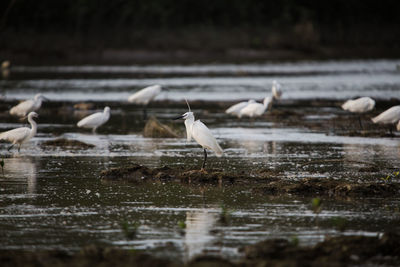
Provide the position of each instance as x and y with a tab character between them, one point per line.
145	113
359	120
19	148
94	130
205	159
9	148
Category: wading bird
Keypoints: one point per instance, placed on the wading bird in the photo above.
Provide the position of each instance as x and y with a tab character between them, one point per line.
255	109
21	135
201	134
144	96
235	109
27	106
276	90
95	120
390	116
359	105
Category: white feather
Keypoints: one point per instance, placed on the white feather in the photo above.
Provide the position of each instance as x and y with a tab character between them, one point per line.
204	137
359	105
392	115
276	90
95	120
255	109
235	109
27	106
23	134
145	95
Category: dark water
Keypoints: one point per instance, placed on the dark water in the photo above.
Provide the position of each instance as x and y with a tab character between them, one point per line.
52	197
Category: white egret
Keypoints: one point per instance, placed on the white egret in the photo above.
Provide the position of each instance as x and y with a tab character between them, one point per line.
27	106
201	134
390	116
21	135
276	90
255	109
95	120
359	105
144	96
235	109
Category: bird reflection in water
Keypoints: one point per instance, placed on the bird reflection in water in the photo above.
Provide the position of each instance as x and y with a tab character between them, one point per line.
20	171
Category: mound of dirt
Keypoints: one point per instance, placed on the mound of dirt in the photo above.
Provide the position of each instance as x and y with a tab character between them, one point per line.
68	143
263	181
156	129
335	251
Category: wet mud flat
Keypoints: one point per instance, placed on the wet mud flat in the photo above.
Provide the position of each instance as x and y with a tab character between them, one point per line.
261	181
335	251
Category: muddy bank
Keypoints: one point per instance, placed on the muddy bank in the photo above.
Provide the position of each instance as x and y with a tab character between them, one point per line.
260	181
335	251
62	142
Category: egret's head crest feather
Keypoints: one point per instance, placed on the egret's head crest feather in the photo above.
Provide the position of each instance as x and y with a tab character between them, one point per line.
187	104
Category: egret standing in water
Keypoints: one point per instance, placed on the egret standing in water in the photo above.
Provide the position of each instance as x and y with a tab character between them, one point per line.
276	90
144	96
235	109
27	106
95	120
21	135
359	105
255	109
390	116
201	134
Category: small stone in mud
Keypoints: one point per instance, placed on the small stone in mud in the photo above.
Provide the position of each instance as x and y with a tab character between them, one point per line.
67	143
156	129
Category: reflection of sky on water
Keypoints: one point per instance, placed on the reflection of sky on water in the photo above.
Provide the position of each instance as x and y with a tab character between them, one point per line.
307	80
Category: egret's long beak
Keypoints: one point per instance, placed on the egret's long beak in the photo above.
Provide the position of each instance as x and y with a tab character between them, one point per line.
177	118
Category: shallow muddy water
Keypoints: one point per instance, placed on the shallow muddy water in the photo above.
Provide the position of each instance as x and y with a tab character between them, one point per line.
52	197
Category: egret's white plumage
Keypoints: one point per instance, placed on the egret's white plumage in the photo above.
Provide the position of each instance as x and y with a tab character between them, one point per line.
359	105
276	90
201	134
21	135
255	109
27	106
235	109
95	120
390	116
145	95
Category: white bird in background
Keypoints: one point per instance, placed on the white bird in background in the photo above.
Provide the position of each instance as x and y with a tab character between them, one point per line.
144	96
276	90
95	120
201	134
359	105
235	109
256	109
27	106
21	135
390	116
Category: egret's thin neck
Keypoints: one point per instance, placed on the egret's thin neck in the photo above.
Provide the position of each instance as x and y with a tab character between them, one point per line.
33	126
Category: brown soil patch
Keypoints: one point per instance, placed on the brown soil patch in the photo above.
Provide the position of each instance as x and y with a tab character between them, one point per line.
68	143
262	181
